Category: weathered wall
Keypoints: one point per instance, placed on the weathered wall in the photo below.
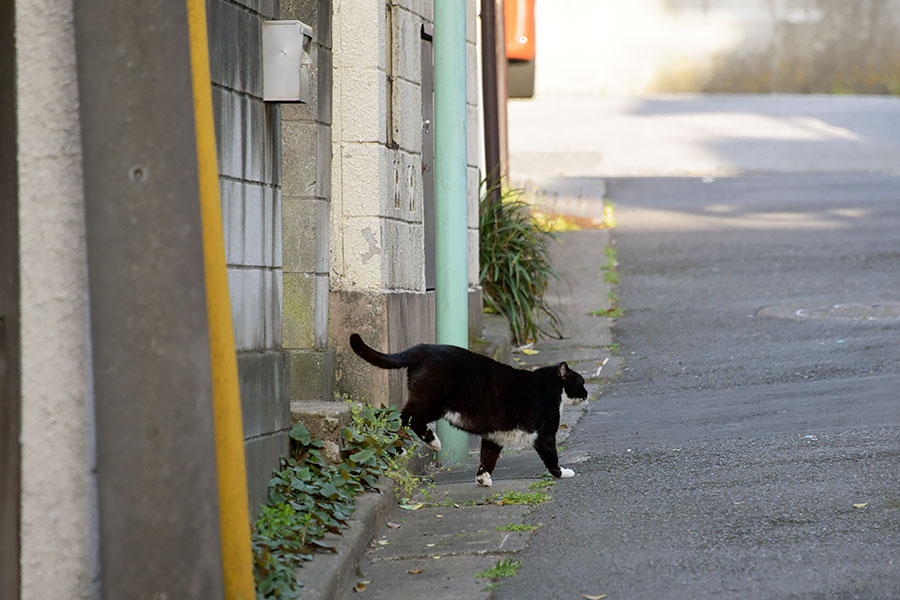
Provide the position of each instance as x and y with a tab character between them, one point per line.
718	46
306	168
248	143
59	509
377	232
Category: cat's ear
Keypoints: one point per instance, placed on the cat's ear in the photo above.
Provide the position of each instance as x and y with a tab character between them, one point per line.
563	370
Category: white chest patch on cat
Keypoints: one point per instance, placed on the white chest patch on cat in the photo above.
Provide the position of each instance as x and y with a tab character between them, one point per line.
512	439
454	418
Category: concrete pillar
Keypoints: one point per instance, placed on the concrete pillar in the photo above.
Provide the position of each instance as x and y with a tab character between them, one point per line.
59	544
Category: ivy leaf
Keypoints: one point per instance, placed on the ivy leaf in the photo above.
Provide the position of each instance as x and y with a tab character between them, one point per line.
363	455
300	434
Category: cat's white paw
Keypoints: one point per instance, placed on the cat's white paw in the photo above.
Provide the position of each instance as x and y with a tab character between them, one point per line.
566	473
484	480
435	444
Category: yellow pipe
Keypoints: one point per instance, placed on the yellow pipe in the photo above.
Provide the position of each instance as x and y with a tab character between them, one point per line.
237	558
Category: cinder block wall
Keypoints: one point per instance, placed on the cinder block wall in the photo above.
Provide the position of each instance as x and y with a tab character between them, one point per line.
248	142
306	164
377	244
377	231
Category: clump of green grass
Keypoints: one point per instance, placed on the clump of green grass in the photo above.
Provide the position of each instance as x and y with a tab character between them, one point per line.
610	276
518	527
515	267
611	313
511	497
543	483
505	567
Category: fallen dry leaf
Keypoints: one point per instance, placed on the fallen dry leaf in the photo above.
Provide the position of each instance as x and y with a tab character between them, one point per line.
530	351
439	516
414	571
411	506
861	505
600	597
382	542
563	426
393	525
359	587
430	545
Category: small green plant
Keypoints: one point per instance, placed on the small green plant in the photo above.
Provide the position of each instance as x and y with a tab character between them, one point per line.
543	483
376	431
505	567
611	313
512	497
613	297
518	527
308	497
515	267
450	503
613	348
610	276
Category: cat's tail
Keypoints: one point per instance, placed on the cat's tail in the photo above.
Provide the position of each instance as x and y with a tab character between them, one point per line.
370	355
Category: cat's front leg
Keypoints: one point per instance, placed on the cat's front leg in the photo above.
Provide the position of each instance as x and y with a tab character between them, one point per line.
418	422
490	452
546	449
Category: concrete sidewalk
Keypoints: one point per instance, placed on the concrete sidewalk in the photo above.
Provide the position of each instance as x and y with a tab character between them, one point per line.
435	550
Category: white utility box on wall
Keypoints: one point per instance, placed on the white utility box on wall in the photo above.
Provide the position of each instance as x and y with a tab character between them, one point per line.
286	61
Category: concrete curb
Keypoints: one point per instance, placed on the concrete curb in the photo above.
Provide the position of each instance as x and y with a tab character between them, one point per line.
329	576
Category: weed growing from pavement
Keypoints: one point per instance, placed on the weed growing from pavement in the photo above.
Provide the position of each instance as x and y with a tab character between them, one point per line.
543	483
611	313
610	276
308	497
505	567
518	527
613	348
511	497
449	502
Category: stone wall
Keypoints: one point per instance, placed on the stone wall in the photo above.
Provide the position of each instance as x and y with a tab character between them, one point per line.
248	143
821	46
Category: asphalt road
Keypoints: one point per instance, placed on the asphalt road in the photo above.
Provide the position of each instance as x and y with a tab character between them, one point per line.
750	447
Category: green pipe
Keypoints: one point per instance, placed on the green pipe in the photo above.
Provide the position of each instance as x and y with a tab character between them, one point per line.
451	237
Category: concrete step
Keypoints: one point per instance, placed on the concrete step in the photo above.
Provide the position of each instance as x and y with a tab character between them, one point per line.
325	421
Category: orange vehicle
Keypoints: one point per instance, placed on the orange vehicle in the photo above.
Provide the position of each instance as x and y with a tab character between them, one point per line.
518	16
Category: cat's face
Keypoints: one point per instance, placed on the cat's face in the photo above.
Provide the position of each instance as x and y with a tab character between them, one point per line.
573	383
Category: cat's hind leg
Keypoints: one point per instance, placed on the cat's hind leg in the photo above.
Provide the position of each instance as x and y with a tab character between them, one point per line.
546	449
490	452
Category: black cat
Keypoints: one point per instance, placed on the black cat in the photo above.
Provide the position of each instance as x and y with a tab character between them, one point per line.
505	406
